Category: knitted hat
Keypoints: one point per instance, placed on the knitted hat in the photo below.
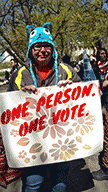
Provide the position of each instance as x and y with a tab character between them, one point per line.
37	35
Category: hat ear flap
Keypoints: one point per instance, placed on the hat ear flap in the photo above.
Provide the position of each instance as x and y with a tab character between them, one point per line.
29	28
48	26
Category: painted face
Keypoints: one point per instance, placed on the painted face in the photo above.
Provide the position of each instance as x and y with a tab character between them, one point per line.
42	53
102	55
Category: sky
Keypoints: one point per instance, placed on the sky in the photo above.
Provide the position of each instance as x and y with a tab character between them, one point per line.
106	6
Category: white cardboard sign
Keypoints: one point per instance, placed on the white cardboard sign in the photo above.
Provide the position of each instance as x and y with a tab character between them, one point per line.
54	125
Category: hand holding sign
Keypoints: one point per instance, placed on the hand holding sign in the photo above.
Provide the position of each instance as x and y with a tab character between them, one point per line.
30	88
105	84
64	83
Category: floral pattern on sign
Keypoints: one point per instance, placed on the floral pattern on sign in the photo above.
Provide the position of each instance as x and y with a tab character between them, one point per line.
32	102
48	88
63	150
14	133
86	147
50	127
15	122
43	157
79	139
84	124
33	157
28	117
27	160
23	141
22	154
35	148
70	132
70	104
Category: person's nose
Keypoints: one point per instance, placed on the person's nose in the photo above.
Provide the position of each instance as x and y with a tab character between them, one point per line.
43	49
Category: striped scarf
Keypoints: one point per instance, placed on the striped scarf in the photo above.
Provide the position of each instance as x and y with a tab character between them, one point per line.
7	175
102	65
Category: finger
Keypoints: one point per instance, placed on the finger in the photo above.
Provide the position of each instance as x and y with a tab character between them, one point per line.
23	89
105	84
61	83
29	88
64	83
70	81
106	77
34	89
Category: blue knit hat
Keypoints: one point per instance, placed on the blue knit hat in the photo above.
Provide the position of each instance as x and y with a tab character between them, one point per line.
37	35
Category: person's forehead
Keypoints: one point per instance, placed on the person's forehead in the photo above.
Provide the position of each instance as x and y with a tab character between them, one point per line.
43	44
102	51
12	60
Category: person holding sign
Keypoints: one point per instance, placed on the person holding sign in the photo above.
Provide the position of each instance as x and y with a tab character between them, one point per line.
43	70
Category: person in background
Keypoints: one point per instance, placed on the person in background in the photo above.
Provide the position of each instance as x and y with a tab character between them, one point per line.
14	64
66	59
16	80
19	77
7	75
102	173
78	67
92	59
100	64
7	174
102	59
101	71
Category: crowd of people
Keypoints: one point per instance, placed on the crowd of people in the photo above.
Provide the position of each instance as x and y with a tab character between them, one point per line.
42	69
99	64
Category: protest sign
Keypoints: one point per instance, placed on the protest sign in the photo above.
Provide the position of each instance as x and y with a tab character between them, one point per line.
54	125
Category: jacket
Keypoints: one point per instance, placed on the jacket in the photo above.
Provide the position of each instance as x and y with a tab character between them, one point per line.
105	92
22	77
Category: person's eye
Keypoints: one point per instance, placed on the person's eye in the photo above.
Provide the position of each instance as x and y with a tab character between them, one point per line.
46	31
33	33
36	47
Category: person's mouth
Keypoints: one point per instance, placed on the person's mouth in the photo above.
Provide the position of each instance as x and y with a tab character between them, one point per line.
42	56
